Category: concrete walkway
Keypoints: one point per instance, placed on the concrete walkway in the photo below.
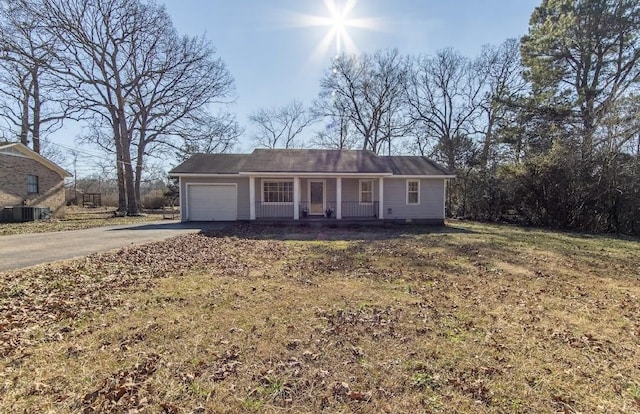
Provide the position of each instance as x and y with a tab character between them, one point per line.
24	250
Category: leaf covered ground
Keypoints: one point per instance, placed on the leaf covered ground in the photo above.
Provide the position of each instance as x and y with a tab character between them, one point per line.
76	218
470	318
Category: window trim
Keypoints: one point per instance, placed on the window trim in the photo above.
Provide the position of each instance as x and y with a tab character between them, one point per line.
407	192
275	203
363	180
30	184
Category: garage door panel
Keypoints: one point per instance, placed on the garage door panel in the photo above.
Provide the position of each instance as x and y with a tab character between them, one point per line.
212	202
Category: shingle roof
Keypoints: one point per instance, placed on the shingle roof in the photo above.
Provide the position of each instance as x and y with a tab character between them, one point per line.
308	161
414	165
212	164
315	161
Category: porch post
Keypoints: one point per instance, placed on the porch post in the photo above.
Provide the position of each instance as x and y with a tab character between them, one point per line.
183	207
252	198
338	198
296	198
444	199
381	198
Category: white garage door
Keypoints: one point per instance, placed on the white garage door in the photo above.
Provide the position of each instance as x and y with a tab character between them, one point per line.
212	202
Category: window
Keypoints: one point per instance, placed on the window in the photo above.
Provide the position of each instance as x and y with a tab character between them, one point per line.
277	192
366	191
32	184
413	192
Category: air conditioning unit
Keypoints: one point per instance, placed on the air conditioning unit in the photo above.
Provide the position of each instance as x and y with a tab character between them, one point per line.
6	214
30	213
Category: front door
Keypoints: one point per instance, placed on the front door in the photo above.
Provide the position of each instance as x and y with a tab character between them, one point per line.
316	197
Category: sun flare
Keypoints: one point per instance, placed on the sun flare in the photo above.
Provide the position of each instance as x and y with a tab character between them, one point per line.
338	21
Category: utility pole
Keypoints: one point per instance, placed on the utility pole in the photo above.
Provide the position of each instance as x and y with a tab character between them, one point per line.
75	175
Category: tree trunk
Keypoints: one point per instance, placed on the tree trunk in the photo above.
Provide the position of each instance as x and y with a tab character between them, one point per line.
132	202
486	147
36	110
122	194
24	127
130	192
118	141
139	166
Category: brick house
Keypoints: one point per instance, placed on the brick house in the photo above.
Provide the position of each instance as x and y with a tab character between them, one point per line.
27	178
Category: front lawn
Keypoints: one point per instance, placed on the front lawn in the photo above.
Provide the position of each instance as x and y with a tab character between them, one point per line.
470	318
76	219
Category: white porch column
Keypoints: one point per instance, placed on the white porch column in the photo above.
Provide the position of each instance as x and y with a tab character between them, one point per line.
381	198
183	207
338	198
296	198
444	199
252	198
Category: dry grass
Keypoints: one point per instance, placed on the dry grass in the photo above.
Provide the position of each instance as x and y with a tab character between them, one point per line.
75	219
474	318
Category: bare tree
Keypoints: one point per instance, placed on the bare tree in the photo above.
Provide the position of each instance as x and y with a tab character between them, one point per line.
97	41
367	90
500	72
337	134
180	82
128	71
215	134
279	127
444	97
31	102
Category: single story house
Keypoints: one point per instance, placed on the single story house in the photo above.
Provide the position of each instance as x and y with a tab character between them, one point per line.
29	179
298	184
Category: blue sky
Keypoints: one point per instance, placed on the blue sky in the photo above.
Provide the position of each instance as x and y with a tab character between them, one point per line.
274	62
275	59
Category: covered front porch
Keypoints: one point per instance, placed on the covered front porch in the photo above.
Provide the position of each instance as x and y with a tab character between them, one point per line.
316	197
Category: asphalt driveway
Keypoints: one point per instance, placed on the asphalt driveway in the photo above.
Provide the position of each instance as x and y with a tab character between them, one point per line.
24	250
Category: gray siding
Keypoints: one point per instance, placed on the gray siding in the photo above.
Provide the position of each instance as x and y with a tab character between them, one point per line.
351	189
243	192
287	210
271	210
395	196
431	199
330	188
351	206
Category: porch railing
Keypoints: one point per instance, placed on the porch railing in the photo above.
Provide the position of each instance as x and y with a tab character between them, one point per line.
350	209
274	210
356	209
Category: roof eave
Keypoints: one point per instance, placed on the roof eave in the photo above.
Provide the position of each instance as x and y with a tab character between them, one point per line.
313	174
424	176
200	174
37	157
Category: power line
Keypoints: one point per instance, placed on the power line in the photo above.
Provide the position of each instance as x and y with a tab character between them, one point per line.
101	157
75	150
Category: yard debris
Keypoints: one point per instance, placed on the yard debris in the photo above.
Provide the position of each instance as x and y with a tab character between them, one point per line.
304	321
46	296
123	388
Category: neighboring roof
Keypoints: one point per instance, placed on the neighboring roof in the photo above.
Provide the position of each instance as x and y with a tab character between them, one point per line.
414	165
309	161
17	148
